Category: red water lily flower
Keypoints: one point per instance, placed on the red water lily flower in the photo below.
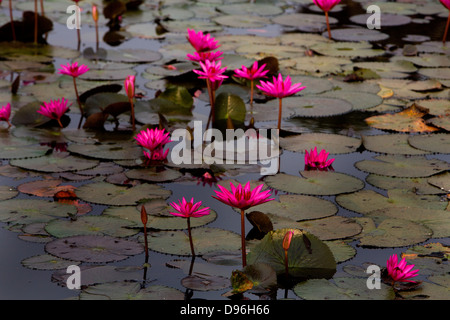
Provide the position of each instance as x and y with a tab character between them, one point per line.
326	6
212	71
201	42
5	113
154	140
54	109
400	271
317	160
203	56
187	209
253	73
73	70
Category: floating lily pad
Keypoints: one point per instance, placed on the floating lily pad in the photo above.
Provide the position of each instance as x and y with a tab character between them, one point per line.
7	192
332	143
309	258
341	250
365	201
156	219
357	34
242	21
417	185
386	19
319	65
391	144
435	73
91	225
309	106
306	22
93	248
439	143
331	228
47	262
109	151
153	175
55	162
132	56
347	49
441	122
259	9
203	282
401	166
436	107
395	232
205	240
315	183
15	148
109	194
342	289
43	188
299	207
441	181
27	211
128	290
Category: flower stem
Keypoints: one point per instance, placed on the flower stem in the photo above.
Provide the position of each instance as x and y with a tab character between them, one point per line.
132	114
96	35
286	269
78	101
211	98
146	243
446	29
251	92
59	122
12	21
244	253
280	107
190	236
328	25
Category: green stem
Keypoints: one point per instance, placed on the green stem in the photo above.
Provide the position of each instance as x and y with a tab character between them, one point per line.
244	253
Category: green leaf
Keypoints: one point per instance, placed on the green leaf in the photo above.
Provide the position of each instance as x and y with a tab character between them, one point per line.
230	106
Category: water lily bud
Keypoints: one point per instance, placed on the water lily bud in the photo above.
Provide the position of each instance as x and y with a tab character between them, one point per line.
144	217
95	13
287	240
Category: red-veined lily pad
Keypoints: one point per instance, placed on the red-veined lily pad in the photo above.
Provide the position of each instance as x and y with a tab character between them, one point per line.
441	181
128	290
417	185
55	162
205	240
394	232
342	289
401	166
307	255
91	225
157	219
27	211
47	262
439	143
315	183
365	201
93	248
408	120
391	144
299	207
7	192
109	194
44	188
332	143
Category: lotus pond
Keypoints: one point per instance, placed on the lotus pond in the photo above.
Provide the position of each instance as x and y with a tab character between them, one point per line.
377	100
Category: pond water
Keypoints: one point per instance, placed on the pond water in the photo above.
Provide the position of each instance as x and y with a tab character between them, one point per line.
20	282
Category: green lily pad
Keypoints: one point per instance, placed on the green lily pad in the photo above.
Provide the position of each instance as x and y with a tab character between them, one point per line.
242	21
205	240
436	107
7	192
357	35
386	19
55	162
358	100
391	144
441	122
108	151
306	22
109	194
152	175
91	225
342	289
315	183
93	248
439	143
427	291
299	207
27	211
157	220
417	185
332	143
132	56
435	73
331	228
341	250
309	258
364	201
47	262
391	233
319	65
260	9
441	181
403	167
347	49
127	290
318	106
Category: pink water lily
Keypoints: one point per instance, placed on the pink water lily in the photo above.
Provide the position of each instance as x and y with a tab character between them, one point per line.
189	210
243	198
446	3
130	91
212	71
317	160
400	271
157	155
201	42
204	56
153	140
73	70
5	113
54	109
280	89
253	73
326	6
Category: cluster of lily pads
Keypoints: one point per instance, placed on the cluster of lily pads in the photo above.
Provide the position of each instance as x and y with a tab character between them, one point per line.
403	122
